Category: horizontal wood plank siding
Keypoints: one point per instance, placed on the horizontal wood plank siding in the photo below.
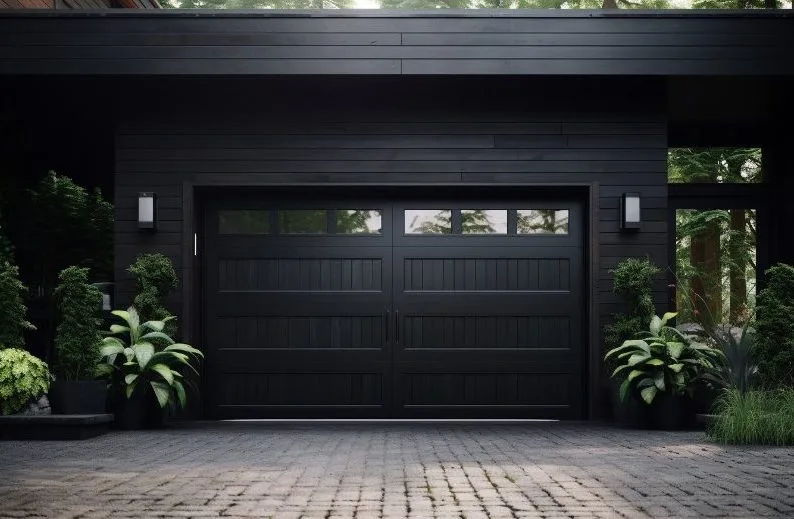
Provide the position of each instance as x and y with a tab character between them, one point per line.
388	43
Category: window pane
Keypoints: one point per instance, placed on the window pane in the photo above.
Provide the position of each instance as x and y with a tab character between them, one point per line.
715	265
303	221
714	165
358	221
244	221
542	221
484	221
428	221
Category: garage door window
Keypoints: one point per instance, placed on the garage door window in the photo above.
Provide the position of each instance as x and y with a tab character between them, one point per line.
244	221
358	221
428	221
483	221
542	221
303	221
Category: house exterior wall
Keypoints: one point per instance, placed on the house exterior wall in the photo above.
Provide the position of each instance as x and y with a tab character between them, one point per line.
421	132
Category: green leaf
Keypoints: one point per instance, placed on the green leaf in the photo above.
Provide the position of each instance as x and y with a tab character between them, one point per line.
655	362
117	328
656	325
157	335
157	326
624	390
131	387
143	353
667	316
638	358
165	372
658	380
121	313
648	394
618	370
129	353
110	349
676	367
180	393
129	379
103	370
113	340
674	349
162	392
185	348
634	374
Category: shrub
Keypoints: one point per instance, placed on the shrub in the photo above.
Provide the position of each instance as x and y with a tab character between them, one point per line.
12	308
754	418
140	355
775	328
23	378
633	282
155	278
77	338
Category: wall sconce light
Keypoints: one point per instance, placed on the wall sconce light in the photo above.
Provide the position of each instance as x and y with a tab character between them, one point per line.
147	208
630	211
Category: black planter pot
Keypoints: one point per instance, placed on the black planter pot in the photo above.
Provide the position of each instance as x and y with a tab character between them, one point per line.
78	396
631	413
672	412
140	411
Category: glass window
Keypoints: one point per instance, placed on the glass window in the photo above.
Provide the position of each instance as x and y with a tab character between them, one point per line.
358	221
244	221
303	221
428	221
714	165
715	265
542	221
484	221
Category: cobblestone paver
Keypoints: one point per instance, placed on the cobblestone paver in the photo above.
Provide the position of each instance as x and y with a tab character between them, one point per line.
374	471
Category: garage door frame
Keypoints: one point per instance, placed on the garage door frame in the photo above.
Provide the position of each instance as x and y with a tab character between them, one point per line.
192	304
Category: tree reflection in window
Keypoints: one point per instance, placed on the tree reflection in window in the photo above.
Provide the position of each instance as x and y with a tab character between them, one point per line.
428	221
244	221
484	221
303	221
358	221
542	221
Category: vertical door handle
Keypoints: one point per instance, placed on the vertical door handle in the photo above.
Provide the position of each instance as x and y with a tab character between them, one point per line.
397	326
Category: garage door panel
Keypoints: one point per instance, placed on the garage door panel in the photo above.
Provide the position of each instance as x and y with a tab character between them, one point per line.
301	332
524	389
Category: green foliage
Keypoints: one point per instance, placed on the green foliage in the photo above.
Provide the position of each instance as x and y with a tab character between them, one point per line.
77	338
737	368
754	418
12	308
662	359
6	248
155	278
63	225
633	282
141	356
23	378
775	327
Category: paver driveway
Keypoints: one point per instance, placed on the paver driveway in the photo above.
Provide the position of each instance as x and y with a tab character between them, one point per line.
420	470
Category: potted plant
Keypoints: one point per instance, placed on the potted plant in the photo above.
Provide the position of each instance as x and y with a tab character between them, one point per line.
142	363
24	379
632	282
661	365
77	339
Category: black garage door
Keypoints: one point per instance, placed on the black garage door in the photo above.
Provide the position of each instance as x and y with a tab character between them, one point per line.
389	308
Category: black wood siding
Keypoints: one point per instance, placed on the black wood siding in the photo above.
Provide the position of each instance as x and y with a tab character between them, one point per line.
398	131
263	42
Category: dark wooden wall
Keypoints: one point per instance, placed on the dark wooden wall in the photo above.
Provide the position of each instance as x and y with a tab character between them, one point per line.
418	132
474	42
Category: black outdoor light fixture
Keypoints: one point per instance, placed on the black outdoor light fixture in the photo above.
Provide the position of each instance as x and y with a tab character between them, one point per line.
147	209
630	211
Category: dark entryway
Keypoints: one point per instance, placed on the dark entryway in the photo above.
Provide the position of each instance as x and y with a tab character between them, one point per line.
378	307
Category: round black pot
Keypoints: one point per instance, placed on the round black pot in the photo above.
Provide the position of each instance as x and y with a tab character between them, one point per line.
672	412
78	396
140	411
631	413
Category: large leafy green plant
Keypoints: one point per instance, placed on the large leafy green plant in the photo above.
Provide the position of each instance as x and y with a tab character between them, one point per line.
13	311
737	368
138	356
775	326
23	378
77	338
661	359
